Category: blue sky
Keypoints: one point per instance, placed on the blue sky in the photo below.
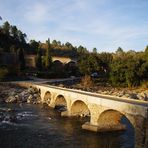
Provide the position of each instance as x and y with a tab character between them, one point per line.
104	24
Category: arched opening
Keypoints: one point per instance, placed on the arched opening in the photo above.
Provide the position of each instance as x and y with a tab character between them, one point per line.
60	103
112	120
47	98
79	108
109	119
57	69
71	63
57	63
71	68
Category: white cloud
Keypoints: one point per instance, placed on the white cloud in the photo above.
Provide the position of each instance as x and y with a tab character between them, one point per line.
96	23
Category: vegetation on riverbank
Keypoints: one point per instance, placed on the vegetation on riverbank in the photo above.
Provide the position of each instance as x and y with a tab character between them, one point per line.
88	84
119	69
11	93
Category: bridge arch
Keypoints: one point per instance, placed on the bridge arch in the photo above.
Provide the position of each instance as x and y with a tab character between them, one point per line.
80	108
113	119
47	98
60	103
71	63
57	62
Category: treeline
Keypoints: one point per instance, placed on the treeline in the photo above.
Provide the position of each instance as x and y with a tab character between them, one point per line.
12	39
56	49
126	69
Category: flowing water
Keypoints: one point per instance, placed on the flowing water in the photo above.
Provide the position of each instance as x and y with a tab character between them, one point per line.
37	127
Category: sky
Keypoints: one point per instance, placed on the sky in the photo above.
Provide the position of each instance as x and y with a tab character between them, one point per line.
104	24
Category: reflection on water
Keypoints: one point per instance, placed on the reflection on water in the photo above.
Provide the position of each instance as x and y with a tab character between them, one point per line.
45	128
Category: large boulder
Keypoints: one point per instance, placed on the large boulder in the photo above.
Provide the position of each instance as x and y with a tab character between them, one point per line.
143	96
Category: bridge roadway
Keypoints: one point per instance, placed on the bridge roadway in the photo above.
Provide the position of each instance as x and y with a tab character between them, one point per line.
106	112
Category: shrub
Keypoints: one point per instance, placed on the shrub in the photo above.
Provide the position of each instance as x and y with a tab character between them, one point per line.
87	82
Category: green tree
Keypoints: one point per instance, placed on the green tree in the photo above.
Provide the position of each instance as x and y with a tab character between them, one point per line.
14	32
106	59
81	49
94	50
21	37
146	53
48	59
118	72
119	51
6	28
54	43
39	60
34	45
89	63
21	59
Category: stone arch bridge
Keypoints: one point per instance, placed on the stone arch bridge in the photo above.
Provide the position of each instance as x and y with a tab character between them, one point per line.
64	60
104	111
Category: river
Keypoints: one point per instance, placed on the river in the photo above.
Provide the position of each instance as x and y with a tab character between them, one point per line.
37	127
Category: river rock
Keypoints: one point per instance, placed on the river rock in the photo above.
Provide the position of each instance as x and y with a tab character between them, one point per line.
133	96
10	118
142	96
23	99
11	99
35	95
28	101
12	93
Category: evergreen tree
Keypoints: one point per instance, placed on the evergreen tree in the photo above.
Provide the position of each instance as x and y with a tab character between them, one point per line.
6	28
14	32
48	59
21	59
39	60
94	50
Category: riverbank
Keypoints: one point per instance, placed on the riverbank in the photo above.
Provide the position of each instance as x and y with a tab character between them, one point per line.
15	94
130	93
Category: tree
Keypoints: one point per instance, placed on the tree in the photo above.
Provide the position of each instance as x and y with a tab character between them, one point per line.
68	45
48	59
118	72
119	51
94	50
81	49
59	43
21	37
34	45
21	59
88	63
14	32
106	59
146	53
39	60
6	28
54	43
